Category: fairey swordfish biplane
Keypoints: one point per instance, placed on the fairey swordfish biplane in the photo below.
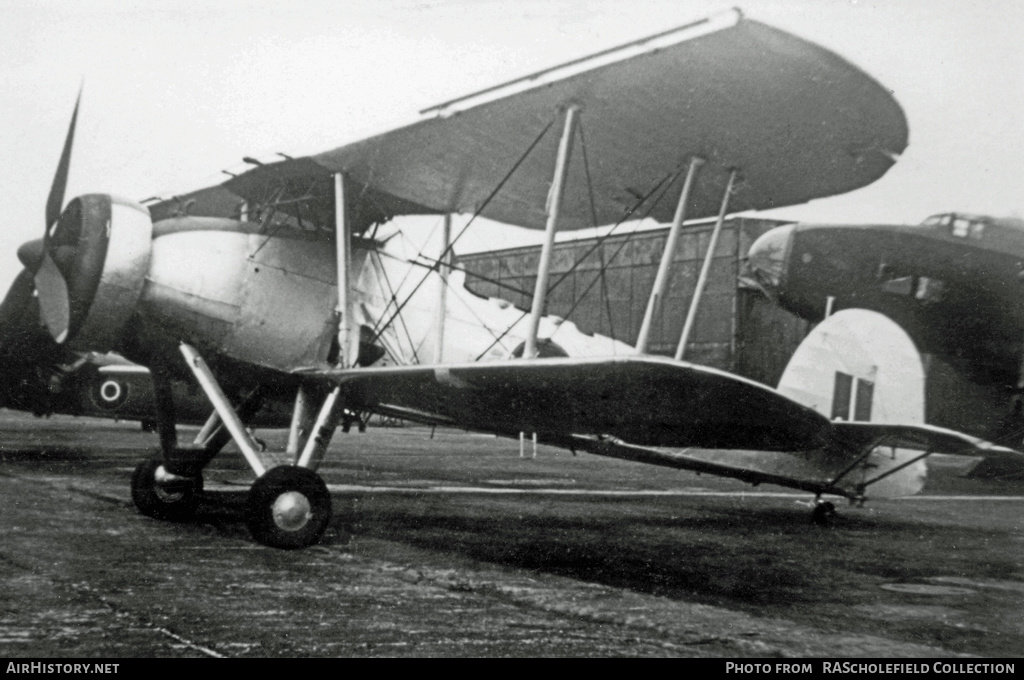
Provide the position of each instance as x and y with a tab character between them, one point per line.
273	284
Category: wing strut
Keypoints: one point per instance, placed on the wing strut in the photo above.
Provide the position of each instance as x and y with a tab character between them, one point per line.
346	348
661	279
703	278
314	442
443	268
540	292
861	488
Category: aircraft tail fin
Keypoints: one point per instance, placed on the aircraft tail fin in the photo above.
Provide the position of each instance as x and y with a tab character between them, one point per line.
858	366
860	369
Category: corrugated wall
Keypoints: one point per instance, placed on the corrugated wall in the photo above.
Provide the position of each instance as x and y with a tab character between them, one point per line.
603	287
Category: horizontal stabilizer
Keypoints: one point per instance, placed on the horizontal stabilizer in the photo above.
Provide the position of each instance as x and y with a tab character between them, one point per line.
1003	465
924	438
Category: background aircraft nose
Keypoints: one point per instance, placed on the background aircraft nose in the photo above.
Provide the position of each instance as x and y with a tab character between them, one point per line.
767	257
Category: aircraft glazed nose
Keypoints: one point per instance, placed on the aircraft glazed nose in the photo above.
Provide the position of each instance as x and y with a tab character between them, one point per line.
767	257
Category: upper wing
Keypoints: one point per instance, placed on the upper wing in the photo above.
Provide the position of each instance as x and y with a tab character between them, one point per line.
649	401
798	121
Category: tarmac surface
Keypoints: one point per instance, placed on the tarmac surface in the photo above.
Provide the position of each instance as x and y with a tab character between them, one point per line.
453	545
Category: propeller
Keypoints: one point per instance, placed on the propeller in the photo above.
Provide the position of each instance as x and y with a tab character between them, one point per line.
55	201
51	285
89	267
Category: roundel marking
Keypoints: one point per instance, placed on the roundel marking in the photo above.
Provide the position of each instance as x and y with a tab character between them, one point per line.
110	391
110	394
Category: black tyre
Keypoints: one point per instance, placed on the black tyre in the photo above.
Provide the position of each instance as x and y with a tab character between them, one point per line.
288	507
174	500
824	514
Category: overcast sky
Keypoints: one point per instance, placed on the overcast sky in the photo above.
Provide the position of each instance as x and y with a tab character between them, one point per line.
175	91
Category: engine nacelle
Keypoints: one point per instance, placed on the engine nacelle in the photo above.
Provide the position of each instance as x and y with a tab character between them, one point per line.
111	239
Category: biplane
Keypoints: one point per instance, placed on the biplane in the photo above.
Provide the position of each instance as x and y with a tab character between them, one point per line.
275	284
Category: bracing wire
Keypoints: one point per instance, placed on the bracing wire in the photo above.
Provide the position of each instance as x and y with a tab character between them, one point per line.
430	262
380	327
394	297
663	186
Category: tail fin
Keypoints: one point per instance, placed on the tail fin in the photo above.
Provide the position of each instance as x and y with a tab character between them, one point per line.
858	365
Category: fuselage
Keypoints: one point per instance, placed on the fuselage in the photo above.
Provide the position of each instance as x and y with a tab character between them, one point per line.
954	283
266	304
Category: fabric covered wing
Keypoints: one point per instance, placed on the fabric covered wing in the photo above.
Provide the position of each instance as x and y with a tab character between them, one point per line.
798	122
647	401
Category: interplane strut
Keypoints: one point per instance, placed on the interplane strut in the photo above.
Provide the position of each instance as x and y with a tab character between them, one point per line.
661	279
702	280
540	292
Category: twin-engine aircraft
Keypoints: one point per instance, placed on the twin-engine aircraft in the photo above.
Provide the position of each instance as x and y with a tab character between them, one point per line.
41	377
952	282
274	284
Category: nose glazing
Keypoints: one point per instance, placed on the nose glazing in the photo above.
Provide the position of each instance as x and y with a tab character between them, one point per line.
767	256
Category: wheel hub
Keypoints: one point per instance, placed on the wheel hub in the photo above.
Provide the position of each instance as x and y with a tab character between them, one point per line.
168	487
291	511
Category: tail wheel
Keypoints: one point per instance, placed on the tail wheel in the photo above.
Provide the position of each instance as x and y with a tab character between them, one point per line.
824	514
160	495
288	507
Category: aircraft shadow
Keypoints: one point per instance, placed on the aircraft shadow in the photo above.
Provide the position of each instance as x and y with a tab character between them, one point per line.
75	454
747	556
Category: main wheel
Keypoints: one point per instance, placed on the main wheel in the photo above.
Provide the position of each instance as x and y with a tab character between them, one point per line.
161	495
288	507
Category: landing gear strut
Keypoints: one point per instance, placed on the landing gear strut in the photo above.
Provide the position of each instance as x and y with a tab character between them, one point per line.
288	506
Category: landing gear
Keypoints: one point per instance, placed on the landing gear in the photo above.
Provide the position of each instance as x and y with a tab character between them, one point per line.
350	417
288	507
162	495
824	514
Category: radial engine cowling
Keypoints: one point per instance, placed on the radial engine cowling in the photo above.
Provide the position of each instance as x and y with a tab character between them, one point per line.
101	245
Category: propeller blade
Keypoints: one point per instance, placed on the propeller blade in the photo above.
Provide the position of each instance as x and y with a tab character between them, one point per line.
55	202
54	303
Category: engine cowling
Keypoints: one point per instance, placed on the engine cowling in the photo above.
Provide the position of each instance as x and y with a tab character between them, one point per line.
101	245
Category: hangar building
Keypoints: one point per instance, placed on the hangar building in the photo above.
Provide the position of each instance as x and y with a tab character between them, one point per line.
603	284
